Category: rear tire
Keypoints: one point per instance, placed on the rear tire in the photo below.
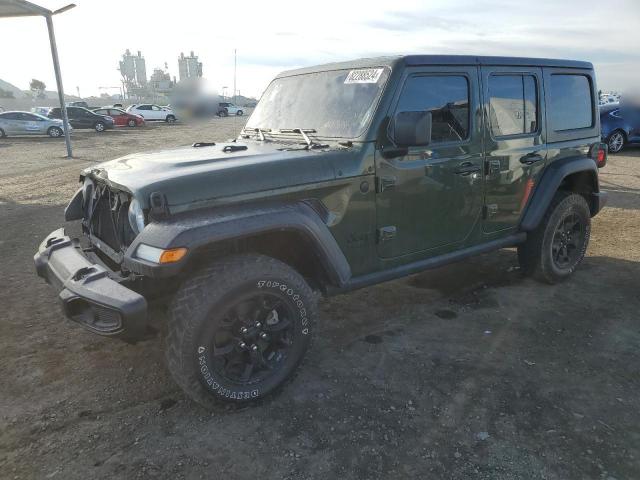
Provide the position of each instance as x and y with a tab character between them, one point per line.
55	132
556	247
2	134
131	123
239	113
100	127
239	329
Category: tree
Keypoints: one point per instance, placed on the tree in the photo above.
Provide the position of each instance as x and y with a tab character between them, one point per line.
37	87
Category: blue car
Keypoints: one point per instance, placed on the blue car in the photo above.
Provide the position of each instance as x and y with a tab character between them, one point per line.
620	126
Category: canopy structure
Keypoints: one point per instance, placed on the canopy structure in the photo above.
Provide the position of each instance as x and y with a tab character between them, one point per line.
22	8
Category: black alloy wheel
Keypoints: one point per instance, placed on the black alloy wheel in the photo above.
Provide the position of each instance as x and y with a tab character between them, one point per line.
568	241
253	339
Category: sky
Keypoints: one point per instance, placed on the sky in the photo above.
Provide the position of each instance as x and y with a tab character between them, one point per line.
281	35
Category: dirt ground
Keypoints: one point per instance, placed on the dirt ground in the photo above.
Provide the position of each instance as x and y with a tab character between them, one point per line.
468	371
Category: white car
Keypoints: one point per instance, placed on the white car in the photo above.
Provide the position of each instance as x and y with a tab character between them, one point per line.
225	109
149	111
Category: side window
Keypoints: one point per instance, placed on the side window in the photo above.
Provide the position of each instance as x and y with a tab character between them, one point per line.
570	102
155	108
513	105
446	97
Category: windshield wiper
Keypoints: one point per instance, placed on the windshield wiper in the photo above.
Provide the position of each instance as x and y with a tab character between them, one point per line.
259	131
303	131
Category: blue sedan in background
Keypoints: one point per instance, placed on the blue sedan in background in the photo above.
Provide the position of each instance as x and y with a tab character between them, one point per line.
620	126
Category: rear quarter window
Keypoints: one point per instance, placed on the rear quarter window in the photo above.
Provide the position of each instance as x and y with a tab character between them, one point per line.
570	102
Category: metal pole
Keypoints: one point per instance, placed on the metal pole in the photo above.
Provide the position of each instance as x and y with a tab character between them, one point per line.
56	67
235	56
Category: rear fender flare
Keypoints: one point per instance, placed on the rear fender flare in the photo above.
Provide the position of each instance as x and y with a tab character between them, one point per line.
549	184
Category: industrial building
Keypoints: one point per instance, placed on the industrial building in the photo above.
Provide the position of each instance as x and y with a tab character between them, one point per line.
189	67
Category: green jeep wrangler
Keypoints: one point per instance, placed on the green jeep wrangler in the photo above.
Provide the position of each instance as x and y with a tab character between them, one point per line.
344	176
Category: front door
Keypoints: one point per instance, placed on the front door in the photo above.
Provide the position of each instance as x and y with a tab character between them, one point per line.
431	197
514	142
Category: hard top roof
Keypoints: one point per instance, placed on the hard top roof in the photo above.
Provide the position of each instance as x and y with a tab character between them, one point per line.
418	60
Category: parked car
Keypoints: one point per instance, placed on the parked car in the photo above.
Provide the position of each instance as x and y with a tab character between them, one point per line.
80	117
620	126
225	109
120	117
41	110
82	104
153	112
27	123
379	168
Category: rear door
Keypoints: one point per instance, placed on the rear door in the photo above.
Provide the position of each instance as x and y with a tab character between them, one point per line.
430	197
515	142
145	111
10	123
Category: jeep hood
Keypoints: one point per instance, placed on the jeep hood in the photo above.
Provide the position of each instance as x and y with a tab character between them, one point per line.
189	175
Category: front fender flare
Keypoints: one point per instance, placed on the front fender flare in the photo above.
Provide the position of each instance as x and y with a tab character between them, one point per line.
549	184
210	226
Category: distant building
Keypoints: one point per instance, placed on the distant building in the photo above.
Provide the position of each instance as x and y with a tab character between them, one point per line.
189	67
160	81
134	72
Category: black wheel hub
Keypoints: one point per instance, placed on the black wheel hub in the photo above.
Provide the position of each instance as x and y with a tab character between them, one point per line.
254	337
568	240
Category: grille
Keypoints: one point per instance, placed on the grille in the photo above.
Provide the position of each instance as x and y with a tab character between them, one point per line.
106	218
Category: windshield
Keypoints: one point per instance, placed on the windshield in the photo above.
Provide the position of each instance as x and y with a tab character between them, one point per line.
338	103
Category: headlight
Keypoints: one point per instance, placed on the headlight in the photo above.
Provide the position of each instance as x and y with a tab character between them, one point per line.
136	216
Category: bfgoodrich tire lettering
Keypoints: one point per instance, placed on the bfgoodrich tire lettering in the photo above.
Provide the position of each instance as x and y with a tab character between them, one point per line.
556	247
239	329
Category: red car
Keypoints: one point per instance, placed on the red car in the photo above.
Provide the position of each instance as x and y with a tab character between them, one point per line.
121	118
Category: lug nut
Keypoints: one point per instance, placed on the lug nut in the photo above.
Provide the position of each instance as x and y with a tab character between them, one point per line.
243	330
242	345
254	347
258	324
263	336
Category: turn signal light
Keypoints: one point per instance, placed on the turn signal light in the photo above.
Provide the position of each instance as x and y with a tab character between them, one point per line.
160	255
173	255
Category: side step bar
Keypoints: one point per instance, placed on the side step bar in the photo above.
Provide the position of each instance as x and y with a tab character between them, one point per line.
426	264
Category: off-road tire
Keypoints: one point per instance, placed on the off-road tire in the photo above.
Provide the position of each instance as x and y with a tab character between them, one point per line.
535	255
192	319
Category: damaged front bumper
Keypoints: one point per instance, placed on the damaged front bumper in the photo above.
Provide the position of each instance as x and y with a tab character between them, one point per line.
91	294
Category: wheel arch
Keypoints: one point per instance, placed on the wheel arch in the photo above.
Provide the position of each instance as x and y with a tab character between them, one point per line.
575	174
295	234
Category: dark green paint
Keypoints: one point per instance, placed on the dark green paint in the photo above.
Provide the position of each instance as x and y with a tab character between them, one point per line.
434	210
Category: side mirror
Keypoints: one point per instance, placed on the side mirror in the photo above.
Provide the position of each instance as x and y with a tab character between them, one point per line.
410	129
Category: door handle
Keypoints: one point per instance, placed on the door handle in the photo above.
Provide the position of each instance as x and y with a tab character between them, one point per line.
531	159
467	168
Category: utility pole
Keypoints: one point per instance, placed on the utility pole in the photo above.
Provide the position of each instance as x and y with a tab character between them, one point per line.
56	68
234	75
